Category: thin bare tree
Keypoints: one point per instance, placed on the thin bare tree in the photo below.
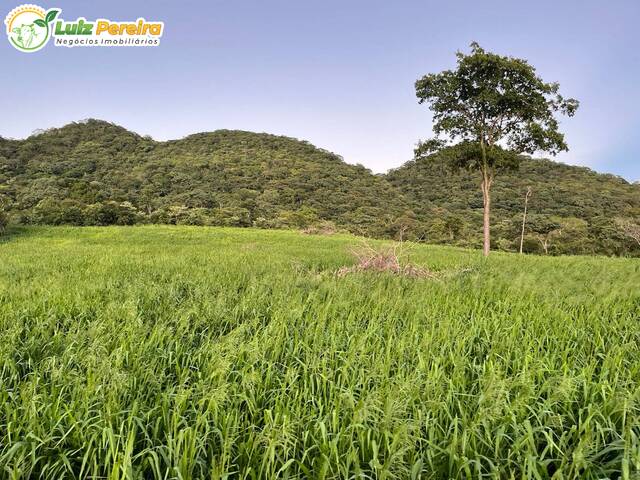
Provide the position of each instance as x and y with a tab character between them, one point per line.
524	216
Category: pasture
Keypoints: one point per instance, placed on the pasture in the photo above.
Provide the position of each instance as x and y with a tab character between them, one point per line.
162	352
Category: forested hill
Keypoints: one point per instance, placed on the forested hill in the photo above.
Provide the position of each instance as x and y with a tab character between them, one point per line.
572	209
94	172
97	173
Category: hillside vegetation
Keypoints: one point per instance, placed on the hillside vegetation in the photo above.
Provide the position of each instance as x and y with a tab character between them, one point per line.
193	352
581	203
73	174
96	173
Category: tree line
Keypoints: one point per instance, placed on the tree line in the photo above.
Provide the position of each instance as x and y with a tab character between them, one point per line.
467	186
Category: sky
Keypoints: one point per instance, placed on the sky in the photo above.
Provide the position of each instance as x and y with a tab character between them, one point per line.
337	73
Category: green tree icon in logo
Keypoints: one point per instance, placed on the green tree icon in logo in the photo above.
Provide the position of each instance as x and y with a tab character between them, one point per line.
27	34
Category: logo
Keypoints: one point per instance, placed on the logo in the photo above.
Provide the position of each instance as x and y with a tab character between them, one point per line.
30	27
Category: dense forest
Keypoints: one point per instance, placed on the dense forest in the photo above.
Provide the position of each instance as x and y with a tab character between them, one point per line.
96	173
570	209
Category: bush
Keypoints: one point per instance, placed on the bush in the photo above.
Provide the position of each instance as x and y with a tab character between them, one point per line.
323	227
195	216
301	218
56	212
231	217
112	213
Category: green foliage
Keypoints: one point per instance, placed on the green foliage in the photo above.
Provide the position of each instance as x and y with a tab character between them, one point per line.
111	213
544	228
96	173
584	201
489	101
51	15
470	155
162	352
630	228
222	178
491	98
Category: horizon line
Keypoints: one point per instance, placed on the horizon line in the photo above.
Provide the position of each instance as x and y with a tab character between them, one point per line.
40	131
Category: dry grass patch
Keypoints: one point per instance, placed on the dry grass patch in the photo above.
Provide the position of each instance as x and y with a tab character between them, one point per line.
385	259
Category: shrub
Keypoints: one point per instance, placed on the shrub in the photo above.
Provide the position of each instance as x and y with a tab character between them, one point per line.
231	217
324	227
112	213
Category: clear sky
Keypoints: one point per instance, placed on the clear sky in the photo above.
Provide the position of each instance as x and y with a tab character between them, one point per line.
338	73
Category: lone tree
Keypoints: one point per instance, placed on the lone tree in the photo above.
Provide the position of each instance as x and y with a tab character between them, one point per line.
487	112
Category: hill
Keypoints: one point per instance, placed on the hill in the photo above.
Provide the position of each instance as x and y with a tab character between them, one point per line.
97	173
162	352
94	172
572	208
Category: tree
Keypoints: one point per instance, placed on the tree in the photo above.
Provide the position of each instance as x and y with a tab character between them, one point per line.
524	217
575	236
629	228
487	112
544	229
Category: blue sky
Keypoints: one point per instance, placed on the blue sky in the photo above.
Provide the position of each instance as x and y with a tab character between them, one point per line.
339	74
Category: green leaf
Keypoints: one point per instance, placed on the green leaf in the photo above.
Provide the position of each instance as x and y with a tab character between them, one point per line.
51	14
39	22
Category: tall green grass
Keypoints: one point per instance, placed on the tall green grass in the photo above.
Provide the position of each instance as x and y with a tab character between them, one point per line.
178	352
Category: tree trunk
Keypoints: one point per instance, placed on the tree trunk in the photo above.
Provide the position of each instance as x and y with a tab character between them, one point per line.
486	214
524	217
487	178
544	242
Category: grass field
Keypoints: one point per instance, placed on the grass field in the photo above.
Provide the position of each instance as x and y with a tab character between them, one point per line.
194	352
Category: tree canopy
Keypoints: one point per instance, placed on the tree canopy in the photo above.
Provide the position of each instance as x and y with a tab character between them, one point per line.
491	99
486	112
96	173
